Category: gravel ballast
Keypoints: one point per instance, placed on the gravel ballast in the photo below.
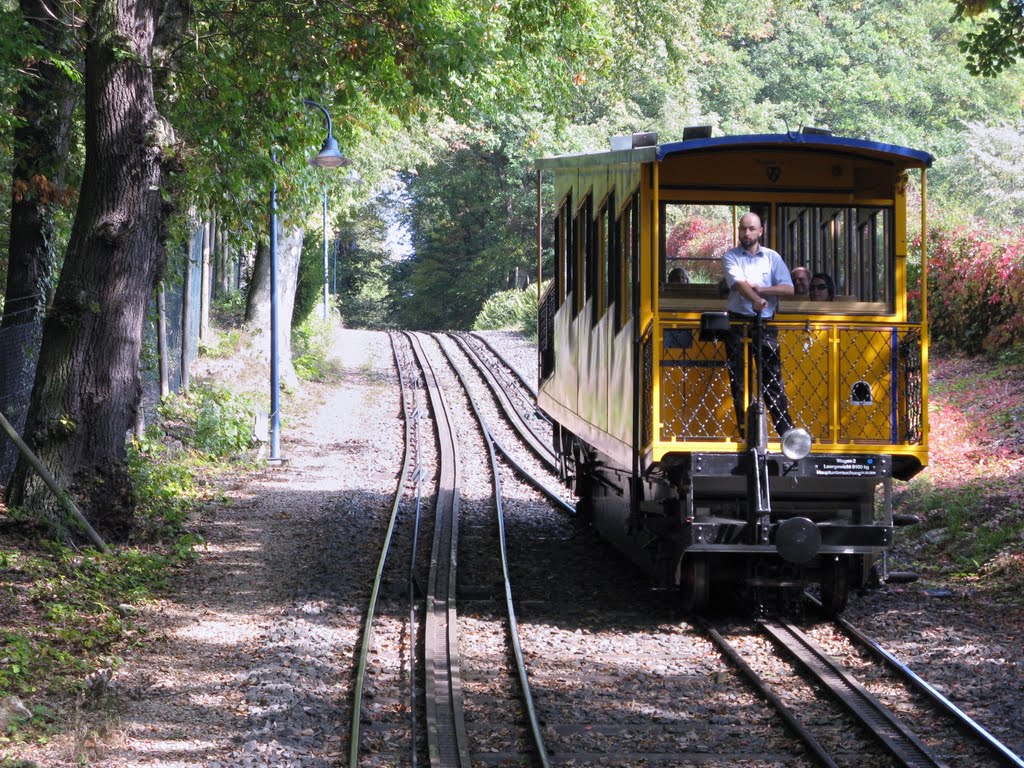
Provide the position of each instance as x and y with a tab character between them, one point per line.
249	661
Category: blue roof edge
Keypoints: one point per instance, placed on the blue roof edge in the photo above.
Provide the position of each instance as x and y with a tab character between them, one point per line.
793	138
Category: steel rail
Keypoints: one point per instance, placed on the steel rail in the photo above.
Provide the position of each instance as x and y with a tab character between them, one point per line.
447	739
893	734
1002	752
818	752
355	735
513	623
515	418
529	387
552	495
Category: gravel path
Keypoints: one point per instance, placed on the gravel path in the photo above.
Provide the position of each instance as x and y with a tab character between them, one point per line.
252	661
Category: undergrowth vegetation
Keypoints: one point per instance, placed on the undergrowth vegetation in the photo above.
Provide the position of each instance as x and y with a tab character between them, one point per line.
971	496
976	288
310	344
71	612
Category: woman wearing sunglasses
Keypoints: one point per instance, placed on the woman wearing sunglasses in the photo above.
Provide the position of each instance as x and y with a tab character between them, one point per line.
823	287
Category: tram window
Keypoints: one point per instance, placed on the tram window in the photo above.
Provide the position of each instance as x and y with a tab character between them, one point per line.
569	249
693	239
586	264
561	226
853	245
611	261
599	264
627	248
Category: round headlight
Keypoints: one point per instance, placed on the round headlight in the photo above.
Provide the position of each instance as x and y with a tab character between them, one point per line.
796	443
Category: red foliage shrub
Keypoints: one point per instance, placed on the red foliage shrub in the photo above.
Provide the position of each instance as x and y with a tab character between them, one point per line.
975	288
698	238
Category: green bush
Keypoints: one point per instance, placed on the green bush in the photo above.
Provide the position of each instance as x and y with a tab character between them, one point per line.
309	290
509	310
311	344
211	420
165	488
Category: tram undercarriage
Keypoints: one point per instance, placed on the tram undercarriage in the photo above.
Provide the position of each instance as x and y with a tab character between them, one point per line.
691	525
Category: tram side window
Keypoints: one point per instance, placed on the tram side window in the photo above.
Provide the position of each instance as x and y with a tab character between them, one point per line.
584	249
852	245
693	238
566	250
559	247
597	265
610	261
625	250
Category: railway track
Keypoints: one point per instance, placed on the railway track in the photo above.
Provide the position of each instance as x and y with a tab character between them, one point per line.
615	678
386	699
463	649
850	702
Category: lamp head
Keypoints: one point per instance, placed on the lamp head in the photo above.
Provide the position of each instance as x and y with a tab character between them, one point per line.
330	156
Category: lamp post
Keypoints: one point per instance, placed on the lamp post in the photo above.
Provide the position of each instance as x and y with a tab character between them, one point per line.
275	370
329	157
326	267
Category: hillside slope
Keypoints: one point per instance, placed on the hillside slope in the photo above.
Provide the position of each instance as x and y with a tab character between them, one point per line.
970	497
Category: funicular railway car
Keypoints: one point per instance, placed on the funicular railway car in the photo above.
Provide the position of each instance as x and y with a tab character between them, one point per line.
633	366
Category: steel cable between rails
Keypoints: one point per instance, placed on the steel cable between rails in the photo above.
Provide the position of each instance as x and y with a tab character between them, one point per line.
355	734
513	624
418	477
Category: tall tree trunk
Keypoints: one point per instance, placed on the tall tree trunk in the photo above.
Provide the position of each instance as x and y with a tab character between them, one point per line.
257	307
46	104
87	383
41	144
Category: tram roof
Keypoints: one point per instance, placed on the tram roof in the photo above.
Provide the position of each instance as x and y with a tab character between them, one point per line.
903	157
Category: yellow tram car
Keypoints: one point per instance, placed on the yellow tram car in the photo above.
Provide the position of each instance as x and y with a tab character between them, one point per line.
633	372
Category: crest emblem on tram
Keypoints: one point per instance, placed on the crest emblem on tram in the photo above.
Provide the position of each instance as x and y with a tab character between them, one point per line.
773	172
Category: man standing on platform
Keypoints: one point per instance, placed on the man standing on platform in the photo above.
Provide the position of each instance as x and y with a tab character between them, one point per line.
757	276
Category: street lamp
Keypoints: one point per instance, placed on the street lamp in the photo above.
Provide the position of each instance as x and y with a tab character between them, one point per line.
329	157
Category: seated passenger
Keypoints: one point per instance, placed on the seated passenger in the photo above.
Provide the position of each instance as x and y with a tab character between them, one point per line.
823	287
678	276
801	282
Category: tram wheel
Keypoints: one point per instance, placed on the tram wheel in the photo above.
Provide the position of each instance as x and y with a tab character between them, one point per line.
835	586
694	583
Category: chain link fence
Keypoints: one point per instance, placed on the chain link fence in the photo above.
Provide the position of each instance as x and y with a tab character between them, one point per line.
848	384
20	343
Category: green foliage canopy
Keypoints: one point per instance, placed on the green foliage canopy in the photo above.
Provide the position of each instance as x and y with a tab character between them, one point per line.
996	41
236	98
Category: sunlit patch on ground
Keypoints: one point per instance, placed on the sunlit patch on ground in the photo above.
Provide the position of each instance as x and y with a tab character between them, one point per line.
971	496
